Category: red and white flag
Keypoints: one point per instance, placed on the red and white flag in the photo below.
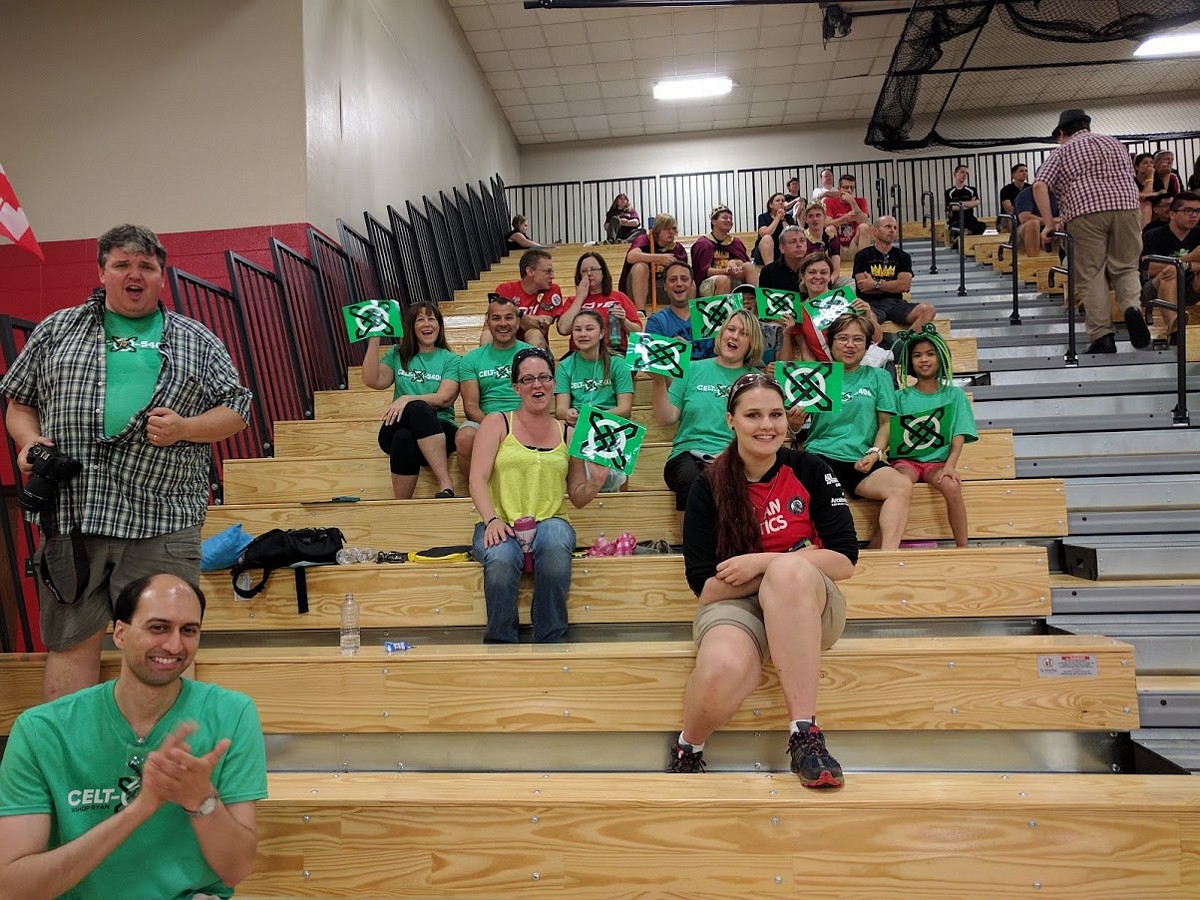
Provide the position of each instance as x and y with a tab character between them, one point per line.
13	224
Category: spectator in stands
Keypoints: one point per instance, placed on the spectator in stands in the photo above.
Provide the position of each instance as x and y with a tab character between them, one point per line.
784	273
641	260
1143	174
1093	179
539	300
767	535
719	259
770	225
675	320
854	439
883	274
1166	180
803	342
1008	193
418	426
520	470
485	376
1160	213
822	236
825	189
93	382
1179	238
621	220
594	290
593	376
934	398
848	213
792	198
1194	181
694	403
140	786
962	196
518	239
1029	223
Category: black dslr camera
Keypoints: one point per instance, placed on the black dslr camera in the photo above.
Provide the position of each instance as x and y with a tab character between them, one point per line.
50	469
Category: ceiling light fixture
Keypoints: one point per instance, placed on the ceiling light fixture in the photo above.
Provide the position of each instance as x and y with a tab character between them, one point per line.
689	88
1169	45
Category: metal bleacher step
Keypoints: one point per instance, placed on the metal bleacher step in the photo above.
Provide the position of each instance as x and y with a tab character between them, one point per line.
1180	746
1054	388
1124	369
1164	643
1050	357
1165	492
1171	701
1061	415
1078	596
1132	556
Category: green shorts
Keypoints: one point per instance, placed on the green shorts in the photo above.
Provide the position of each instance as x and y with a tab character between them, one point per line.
746	614
111	564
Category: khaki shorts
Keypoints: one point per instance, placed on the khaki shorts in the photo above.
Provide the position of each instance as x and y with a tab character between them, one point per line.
746	614
112	563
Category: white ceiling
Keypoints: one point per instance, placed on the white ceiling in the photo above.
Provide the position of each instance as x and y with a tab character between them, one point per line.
566	75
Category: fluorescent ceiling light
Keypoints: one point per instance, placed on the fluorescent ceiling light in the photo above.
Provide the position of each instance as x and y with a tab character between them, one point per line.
688	88
1169	45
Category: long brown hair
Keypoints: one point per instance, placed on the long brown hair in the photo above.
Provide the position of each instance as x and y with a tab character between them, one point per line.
601	345
409	346
606	282
737	525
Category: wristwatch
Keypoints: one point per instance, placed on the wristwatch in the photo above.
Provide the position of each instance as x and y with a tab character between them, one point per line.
206	807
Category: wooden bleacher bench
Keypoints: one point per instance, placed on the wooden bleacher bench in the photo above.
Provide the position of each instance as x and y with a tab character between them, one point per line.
738	836
994	682
997	509
367	477
901	584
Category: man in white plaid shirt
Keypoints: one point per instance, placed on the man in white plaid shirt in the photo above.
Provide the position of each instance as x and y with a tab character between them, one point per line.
136	394
1092	177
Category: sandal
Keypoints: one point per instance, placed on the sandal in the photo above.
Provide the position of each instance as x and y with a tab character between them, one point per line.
444	494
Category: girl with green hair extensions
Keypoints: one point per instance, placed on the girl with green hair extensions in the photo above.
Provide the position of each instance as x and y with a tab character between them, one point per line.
934	421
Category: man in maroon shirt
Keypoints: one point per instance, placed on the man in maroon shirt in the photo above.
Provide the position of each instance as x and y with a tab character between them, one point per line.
1092	177
719	260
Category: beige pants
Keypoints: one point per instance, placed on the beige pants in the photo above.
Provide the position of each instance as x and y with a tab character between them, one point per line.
1107	248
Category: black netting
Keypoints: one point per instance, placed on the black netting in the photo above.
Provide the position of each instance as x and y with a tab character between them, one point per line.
996	72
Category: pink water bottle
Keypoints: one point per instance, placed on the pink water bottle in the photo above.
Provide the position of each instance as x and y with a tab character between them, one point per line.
525	528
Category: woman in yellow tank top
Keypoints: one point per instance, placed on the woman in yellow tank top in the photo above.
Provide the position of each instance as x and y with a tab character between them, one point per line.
519	469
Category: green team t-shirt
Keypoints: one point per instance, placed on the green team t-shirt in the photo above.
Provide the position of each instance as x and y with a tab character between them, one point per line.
492	368
701	396
584	380
132	365
423	374
959	417
848	434
78	760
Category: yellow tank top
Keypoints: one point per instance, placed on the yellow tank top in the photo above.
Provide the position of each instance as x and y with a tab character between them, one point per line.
528	482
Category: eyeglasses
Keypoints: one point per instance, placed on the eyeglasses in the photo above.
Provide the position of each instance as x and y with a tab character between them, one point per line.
855	340
1189	210
535	379
589	271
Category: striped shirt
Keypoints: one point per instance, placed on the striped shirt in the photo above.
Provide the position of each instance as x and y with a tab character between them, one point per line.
1090	173
128	488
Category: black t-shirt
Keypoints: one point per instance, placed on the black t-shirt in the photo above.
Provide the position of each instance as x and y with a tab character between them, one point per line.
1009	192
777	276
765	219
960	195
884	266
798	502
1163	242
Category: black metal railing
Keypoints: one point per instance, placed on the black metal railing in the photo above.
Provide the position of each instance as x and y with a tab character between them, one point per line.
302	292
384	257
1071	358
479	260
440	285
337	287
960	242
896	193
491	248
1014	317
928	221
1179	307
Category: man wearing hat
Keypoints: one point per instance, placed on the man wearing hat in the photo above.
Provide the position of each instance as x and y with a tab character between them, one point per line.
1092	177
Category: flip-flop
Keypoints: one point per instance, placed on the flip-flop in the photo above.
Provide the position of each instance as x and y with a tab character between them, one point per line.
444	494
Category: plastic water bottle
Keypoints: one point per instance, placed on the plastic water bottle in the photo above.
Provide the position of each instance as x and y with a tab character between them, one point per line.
351	640
614	331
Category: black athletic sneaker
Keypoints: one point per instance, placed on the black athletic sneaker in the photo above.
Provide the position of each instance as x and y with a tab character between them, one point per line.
1106	344
1135	324
684	759
812	762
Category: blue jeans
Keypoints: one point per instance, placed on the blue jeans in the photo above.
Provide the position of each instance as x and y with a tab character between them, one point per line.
552	548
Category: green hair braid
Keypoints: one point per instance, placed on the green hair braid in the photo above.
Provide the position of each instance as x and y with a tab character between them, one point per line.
903	353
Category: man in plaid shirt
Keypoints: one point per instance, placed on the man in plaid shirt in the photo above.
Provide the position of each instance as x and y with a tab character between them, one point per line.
136	394
1092	177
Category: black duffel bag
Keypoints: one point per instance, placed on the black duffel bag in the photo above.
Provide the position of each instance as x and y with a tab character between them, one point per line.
278	548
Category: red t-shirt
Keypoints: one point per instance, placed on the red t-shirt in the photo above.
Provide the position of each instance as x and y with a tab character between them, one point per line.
602	304
835	207
544	303
782	507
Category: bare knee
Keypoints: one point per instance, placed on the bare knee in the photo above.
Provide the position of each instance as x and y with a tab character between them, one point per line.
464	440
727	657
790	577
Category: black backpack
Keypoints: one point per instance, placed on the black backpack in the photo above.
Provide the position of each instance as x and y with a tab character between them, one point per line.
278	548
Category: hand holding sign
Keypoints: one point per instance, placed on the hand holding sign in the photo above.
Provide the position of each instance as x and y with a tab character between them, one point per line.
606	439
373	318
658	355
812	386
710	313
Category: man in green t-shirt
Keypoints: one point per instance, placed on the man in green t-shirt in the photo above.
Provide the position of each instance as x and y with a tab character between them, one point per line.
142	787
485	376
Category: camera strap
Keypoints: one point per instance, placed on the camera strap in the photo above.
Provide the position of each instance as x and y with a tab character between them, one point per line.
79	557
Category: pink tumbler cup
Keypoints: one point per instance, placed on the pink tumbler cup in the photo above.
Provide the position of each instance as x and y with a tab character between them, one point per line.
525	528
